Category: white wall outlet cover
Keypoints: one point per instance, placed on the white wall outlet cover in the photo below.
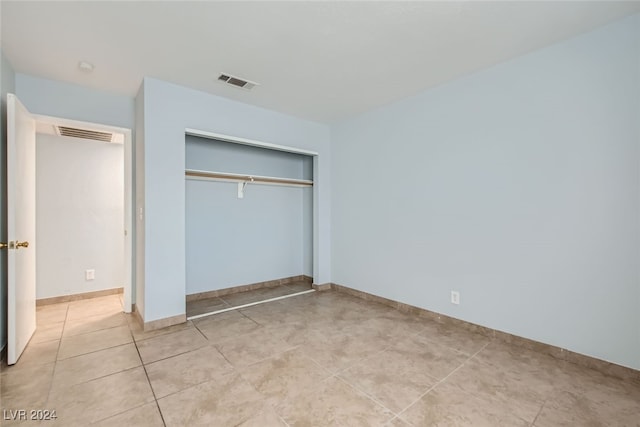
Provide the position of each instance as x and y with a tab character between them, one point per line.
89	274
455	297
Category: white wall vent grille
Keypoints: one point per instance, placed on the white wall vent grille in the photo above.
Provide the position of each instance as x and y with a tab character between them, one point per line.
84	133
237	81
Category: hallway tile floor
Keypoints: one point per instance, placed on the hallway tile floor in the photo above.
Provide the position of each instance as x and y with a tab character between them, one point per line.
320	359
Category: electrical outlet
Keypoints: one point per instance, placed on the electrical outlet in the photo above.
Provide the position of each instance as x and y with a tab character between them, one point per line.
89	274
455	297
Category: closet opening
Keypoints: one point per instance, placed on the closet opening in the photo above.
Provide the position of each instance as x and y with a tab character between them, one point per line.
249	223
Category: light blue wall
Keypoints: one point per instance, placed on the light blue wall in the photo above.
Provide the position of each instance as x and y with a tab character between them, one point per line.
70	101
231	241
80	200
168	110
517	186
7	85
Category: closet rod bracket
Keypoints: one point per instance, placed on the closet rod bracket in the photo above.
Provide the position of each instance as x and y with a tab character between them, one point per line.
241	187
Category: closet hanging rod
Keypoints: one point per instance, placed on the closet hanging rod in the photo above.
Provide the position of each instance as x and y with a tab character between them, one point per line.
256	179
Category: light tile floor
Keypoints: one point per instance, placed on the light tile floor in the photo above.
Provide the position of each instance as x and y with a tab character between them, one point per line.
313	360
207	305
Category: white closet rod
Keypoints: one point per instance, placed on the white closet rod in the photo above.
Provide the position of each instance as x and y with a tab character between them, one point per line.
256	179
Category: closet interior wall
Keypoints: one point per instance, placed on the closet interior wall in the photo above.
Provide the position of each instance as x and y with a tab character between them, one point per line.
265	235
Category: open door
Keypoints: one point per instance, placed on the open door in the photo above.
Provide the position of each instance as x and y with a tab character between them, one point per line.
21	228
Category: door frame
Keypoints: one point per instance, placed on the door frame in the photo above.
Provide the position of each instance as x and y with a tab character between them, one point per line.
128	194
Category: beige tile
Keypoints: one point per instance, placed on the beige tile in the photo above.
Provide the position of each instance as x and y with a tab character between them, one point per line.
241	298
273	292
540	372
400	375
299	286
164	346
455	337
574	378
183	371
78	369
93	307
267	417
284	376
333	403
391	358
226	401
95	400
336	352
25	388
251	348
511	390
94	323
54	313
38	354
397	422
205	306
146	415
571	409
388	324
274	313
584	395
294	334
223	326
47	332
448	406
93	341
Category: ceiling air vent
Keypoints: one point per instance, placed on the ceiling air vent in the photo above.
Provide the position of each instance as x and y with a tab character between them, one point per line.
237	81
85	133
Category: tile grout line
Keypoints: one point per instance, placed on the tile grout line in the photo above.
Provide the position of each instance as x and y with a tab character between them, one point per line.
216	348
351	365
160	334
539	412
173	355
330	374
198	384
94	351
260	360
282	419
250	318
369	396
223	302
55	362
440	382
120	413
95	330
146	374
200	332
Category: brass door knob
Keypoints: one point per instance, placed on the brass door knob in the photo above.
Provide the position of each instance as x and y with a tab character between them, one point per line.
3	245
22	245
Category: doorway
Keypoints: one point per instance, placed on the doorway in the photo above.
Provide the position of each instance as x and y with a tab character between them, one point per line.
83	210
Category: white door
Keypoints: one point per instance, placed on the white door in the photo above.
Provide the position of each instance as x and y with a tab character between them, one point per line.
21	228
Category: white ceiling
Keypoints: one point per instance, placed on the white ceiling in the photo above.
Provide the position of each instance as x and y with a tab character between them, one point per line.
323	61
